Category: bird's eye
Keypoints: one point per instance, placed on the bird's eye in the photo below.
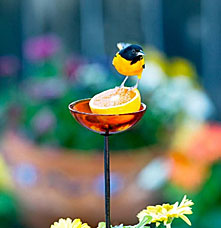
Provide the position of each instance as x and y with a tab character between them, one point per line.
133	51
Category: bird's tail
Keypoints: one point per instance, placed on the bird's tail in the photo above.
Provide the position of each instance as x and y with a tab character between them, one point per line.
122	45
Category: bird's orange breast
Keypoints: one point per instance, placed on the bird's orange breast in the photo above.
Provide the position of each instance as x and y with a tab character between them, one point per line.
125	67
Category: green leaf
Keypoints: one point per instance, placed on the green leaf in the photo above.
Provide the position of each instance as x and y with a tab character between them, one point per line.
101	225
160	225
146	220
118	226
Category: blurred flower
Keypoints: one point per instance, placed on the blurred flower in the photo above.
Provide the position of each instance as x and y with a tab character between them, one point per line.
197	105
9	65
172	94
195	148
205	144
50	88
153	56
43	121
186	173
91	75
5	178
26	174
180	96
68	223
183	134
153	172
181	67
166	213
116	184
41	47
198	142
182	82
71	66
153	77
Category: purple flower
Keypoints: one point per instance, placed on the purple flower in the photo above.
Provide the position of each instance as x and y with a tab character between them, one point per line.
72	65
51	88
9	65
41	47
43	121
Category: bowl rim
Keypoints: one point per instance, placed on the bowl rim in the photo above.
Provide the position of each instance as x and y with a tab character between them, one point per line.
94	114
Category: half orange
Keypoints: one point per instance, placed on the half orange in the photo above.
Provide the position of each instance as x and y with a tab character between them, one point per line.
116	101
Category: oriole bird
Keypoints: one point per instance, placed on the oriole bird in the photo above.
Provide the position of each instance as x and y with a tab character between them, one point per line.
129	61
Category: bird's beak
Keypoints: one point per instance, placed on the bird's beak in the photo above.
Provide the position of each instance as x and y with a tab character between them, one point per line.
140	53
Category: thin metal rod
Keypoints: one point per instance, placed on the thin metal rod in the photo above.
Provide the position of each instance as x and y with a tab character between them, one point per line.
107	180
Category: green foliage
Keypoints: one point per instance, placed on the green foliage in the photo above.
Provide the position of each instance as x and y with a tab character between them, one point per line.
8	213
146	220
144	223
207	201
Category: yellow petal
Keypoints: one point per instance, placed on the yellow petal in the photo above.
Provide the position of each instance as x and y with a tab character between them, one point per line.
67	223
157	224
85	225
183	200
185	219
186	211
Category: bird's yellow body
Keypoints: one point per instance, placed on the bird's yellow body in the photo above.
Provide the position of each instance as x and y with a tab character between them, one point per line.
124	66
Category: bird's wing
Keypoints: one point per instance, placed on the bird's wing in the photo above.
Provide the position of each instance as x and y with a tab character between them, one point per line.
122	45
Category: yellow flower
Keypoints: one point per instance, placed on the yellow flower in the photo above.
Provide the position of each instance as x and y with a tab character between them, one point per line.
5	178
166	213
68	223
180	66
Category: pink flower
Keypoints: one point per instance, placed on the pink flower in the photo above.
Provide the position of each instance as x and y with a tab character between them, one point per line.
41	47
72	65
9	65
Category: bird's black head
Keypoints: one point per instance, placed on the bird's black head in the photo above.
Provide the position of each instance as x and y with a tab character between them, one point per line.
132	52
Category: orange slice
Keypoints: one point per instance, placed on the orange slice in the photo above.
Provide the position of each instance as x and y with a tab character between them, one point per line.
116	101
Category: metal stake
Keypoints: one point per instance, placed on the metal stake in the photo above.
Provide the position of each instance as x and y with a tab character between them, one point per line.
107	180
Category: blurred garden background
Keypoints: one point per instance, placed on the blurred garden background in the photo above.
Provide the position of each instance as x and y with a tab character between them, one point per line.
55	52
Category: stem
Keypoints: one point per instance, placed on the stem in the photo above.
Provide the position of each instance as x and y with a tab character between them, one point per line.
107	180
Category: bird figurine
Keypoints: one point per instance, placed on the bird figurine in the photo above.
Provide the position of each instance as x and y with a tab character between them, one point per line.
129	61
